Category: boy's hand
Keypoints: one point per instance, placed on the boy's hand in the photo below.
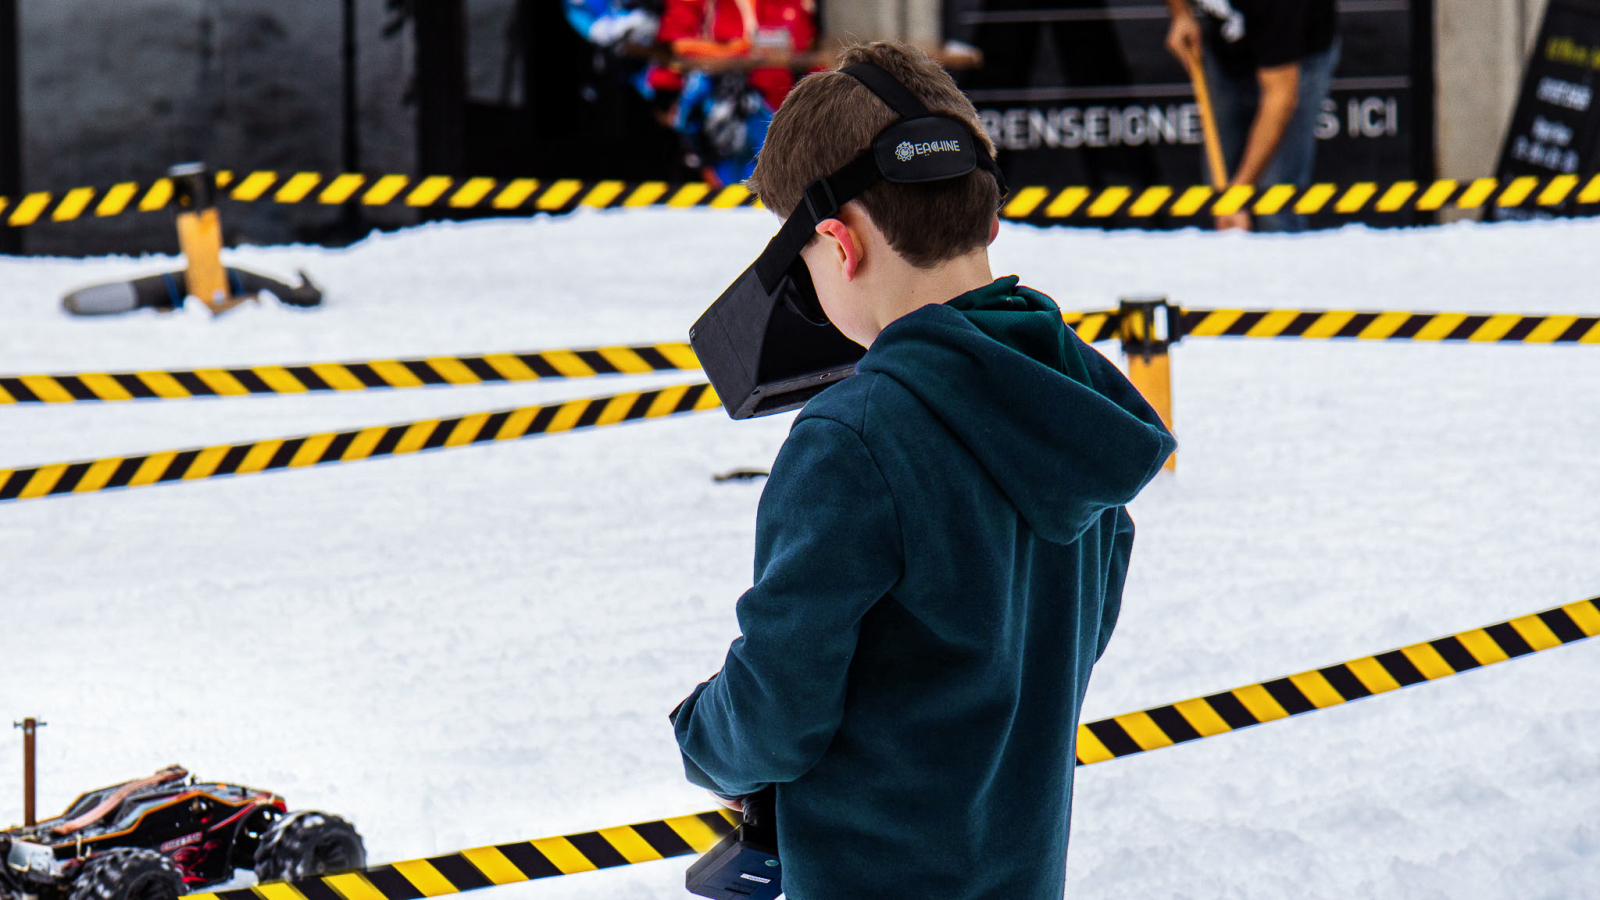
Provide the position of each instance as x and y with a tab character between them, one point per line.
736	804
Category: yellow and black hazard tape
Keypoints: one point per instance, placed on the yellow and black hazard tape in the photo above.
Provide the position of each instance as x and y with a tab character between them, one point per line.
1204	717
1049	204
499	368
1391	326
383	374
510	196
223	460
1108	739
484	867
1094	326
376	374
1035	203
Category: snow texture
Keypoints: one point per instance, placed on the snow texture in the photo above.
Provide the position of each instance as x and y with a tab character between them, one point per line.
481	645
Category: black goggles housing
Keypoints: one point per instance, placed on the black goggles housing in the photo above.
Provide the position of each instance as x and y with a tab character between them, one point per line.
766	344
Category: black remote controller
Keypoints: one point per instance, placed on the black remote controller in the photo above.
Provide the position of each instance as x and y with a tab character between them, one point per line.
744	864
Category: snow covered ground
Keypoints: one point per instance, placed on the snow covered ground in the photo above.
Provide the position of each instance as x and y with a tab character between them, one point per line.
481	645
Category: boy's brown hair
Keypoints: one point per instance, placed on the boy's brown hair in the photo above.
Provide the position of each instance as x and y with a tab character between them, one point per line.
830	118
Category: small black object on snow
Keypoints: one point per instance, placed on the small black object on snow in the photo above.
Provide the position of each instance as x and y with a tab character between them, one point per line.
740	475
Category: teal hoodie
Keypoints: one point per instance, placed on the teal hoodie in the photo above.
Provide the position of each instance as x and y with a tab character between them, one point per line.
940	554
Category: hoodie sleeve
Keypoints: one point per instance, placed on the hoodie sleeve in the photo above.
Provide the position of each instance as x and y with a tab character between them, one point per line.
1116	577
828	546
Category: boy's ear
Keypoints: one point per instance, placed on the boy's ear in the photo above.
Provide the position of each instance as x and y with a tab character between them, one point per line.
844	247
994	228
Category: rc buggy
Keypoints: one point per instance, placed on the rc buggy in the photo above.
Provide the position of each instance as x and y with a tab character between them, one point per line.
162	836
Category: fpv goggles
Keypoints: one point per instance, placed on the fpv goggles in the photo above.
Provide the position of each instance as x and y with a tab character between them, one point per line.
766	344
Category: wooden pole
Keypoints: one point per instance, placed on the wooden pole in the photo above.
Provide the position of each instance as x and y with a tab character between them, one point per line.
30	728
1208	124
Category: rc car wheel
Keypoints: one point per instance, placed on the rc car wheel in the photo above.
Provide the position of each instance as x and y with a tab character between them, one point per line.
128	873
306	844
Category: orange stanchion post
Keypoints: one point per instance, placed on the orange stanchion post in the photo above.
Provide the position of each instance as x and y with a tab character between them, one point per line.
1146	340
194	188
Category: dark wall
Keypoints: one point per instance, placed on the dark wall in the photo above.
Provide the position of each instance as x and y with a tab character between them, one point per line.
119	90
10	120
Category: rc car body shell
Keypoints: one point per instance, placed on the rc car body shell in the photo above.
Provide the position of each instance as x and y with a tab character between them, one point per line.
207	829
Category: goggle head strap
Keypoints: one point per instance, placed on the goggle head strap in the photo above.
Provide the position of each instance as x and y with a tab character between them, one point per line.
900	99
820	201
894	95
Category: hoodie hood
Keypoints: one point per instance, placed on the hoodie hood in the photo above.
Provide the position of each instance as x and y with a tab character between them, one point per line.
1060	430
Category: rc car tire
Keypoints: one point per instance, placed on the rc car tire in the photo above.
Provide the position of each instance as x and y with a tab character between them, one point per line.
306	844
128	873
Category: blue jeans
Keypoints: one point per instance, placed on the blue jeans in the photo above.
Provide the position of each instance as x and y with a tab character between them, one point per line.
1234	99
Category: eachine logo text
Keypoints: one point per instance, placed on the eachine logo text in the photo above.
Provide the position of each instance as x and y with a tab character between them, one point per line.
907	150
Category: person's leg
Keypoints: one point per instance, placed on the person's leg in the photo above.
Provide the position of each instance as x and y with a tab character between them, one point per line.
1233	102
1297	153
1091	53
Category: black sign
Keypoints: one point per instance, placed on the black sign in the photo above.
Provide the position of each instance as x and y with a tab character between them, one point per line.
1556	129
1085	92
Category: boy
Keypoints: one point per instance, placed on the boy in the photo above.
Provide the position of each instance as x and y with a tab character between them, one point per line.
940	550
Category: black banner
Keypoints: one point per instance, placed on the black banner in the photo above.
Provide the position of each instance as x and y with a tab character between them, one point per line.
1556	128
1085	92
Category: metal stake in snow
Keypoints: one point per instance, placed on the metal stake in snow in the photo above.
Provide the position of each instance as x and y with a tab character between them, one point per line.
30	728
